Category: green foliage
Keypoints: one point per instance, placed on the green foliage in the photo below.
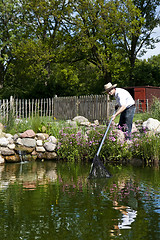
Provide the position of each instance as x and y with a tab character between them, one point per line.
155	109
147	73
73	47
146	147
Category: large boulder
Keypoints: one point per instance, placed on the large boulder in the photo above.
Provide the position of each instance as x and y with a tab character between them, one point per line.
49	146
152	125
80	119
29	142
28	134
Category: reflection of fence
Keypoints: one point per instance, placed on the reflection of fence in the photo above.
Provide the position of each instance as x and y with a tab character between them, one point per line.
92	107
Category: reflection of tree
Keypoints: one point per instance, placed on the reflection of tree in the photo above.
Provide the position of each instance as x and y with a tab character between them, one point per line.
70	206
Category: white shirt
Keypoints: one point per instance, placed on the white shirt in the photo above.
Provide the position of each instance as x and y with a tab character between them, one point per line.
123	98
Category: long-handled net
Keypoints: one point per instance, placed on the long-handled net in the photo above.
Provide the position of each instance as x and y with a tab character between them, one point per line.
98	170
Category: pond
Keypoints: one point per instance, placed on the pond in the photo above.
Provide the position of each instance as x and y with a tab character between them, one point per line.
55	200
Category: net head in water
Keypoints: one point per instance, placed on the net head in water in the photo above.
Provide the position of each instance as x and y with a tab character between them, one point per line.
98	170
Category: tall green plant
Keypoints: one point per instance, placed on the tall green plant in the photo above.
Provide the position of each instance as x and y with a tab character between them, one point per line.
155	108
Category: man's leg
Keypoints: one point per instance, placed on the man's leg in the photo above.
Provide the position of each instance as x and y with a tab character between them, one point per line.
129	119
122	121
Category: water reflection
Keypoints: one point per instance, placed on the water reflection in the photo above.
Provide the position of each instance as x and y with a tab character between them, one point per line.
65	204
30	175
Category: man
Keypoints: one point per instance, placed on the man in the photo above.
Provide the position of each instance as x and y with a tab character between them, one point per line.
125	105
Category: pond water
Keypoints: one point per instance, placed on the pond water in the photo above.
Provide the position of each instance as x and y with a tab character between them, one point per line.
49	200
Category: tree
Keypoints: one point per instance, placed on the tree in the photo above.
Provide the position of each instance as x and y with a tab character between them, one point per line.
97	29
10	31
36	47
147	72
137	42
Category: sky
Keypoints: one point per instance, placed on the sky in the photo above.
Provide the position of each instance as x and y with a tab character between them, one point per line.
155	51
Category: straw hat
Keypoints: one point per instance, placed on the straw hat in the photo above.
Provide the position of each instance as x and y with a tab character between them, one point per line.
108	87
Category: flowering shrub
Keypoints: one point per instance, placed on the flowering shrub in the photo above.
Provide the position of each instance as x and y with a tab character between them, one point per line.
82	144
146	147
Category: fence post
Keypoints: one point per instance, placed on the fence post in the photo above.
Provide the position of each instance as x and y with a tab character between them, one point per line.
147	105
11	105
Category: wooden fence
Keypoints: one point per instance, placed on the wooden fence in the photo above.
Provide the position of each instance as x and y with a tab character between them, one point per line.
92	107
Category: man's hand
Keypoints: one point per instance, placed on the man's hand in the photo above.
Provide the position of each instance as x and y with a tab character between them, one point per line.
113	117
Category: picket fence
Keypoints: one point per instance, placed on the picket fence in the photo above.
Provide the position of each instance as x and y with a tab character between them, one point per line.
94	107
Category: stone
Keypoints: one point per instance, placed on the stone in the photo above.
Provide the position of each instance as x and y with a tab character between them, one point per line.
49	146
28	134
2	160
7	152
40	136
29	142
80	119
46	136
2	148
26	157
40	149
4	142
11	146
12	159
19	141
15	137
21	148
96	122
52	139
39	143
47	155
8	135
87	124
152	125
34	153
11	141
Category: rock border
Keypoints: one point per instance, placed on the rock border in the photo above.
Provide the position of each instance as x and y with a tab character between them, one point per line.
27	146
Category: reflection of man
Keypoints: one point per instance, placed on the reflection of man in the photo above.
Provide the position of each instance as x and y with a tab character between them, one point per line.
128	216
126	105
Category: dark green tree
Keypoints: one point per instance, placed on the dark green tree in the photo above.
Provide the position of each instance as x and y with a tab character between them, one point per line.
139	41
147	72
97	30
10	31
